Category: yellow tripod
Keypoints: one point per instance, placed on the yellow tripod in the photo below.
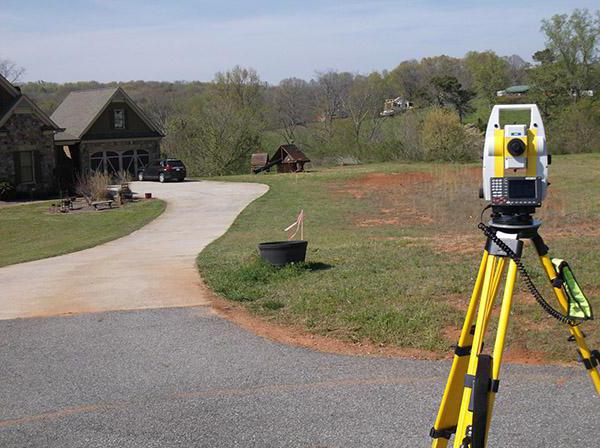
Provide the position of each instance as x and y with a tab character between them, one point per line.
468	399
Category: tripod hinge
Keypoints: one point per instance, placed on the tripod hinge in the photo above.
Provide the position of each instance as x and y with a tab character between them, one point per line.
572	338
557	282
592	362
442	433
493	387
462	351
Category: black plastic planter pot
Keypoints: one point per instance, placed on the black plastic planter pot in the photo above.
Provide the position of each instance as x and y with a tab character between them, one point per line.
280	253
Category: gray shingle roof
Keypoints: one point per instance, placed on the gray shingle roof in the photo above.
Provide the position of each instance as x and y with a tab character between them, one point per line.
22	100
79	109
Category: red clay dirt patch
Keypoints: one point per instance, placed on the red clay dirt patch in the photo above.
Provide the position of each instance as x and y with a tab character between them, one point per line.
410	199
359	187
382	181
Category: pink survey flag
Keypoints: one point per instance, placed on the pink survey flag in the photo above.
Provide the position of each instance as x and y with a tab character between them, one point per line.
296	226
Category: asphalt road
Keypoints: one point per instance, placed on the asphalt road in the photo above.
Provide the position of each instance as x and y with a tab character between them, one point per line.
184	377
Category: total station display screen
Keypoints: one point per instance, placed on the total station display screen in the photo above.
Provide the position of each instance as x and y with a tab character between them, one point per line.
521	189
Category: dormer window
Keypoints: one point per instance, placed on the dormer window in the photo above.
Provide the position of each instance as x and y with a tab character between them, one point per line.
119	118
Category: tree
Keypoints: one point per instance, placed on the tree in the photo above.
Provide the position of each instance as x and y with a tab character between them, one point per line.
517	68
217	131
292	103
572	44
332	92
11	71
241	86
363	103
445	66
489	73
548	89
449	91
407	80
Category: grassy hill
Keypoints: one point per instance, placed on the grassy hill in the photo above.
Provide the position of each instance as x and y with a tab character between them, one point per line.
393	252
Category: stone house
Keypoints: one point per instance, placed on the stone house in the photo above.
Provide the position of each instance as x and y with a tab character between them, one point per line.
104	130
27	155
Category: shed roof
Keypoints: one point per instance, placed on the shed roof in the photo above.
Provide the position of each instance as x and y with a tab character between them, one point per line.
80	109
259	159
293	154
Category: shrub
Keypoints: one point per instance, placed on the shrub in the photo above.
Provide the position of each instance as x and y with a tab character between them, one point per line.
576	128
93	186
5	188
402	140
122	177
443	137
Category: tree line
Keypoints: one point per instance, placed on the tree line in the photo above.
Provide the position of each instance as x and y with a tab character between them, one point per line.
335	117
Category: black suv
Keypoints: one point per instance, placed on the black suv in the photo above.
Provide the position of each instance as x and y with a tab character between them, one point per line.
163	170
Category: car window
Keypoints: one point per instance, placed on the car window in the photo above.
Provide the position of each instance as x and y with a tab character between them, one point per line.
175	163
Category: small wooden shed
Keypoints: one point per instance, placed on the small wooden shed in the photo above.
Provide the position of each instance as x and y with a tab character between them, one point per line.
258	160
289	159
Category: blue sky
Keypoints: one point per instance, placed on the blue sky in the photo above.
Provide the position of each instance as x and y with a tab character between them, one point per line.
121	40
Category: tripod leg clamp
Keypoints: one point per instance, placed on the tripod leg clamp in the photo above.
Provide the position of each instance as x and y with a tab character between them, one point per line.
493	387
591	363
442	433
462	351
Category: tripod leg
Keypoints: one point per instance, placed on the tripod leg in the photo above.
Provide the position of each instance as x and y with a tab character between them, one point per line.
489	290
445	422
503	320
587	358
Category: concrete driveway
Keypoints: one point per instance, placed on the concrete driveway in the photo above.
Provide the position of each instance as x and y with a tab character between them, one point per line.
153	267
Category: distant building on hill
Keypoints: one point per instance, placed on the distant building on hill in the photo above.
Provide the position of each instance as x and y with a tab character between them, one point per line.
514	91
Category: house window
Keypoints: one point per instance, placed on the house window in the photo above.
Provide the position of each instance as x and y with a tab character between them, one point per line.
119	118
25	167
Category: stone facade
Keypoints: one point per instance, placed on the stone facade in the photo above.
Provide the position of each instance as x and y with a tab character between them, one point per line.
24	132
87	148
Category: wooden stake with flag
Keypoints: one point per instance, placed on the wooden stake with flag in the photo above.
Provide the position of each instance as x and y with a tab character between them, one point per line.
296	226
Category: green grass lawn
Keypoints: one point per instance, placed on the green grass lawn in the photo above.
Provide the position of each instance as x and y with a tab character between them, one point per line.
29	232
393	252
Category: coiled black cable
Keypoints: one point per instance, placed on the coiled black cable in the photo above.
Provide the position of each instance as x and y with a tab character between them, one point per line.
526	278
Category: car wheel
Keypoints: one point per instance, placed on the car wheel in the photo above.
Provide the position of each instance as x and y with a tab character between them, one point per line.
180	179
140	176
161	177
